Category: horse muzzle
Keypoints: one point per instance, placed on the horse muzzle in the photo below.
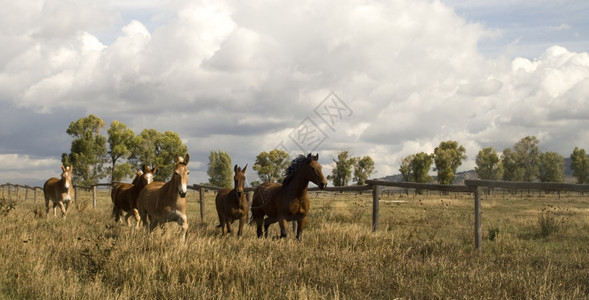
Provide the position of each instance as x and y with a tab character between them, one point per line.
182	194
322	185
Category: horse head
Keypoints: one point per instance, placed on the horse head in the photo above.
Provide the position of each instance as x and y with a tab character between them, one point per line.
181	174
145	176
239	179
313	171
66	177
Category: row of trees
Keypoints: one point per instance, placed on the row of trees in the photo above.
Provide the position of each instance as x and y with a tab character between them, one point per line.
523	162
95	156
93	159
270	167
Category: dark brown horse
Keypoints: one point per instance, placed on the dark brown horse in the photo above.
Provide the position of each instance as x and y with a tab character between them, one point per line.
166	202
124	195
59	191
287	201
232	204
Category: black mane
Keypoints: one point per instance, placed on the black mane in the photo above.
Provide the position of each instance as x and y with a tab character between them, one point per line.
294	167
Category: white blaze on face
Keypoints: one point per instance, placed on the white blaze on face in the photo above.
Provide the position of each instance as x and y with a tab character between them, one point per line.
67	182
149	178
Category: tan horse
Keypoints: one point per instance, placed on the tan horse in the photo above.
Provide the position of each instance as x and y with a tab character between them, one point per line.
166	202
124	195
287	201
232	204
59	191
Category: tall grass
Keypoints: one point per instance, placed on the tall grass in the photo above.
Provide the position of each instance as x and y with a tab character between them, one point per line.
423	250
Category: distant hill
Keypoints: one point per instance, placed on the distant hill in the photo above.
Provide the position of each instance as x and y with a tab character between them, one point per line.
471	174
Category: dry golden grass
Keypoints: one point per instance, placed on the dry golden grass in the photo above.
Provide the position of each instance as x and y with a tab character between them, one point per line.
424	249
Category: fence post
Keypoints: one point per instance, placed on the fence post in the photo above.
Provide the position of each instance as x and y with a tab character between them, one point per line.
26	192
93	196
375	196
201	193
478	230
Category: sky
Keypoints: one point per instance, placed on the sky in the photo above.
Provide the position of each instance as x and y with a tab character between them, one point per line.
385	79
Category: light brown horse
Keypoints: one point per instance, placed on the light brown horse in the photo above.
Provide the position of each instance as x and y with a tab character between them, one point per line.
124	195
59	191
287	201
232	204
166	202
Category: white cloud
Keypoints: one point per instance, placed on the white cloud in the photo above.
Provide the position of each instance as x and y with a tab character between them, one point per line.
240	76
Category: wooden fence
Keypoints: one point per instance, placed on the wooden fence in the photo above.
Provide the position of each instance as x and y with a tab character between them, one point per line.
470	186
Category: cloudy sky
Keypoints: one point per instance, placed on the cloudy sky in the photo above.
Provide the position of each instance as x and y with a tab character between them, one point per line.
380	78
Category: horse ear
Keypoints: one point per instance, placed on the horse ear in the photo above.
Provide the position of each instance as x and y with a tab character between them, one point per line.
235	168
176	158
309	156
186	159
243	170
153	170
316	156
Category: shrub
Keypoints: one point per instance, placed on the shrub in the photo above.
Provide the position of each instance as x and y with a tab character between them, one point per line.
6	206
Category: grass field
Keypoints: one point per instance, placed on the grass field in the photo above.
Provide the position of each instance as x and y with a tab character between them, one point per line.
535	246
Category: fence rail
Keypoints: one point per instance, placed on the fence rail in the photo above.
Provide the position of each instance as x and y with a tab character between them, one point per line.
469	186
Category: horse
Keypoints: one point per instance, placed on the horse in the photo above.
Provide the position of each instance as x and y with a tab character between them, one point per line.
232	204
59	191
287	201
166	202
124	195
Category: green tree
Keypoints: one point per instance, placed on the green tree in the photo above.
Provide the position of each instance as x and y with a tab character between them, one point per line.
528	157
363	168
489	166
120	142
551	167
154	148
220	171
512	171
448	156
88	150
580	165
342	173
420	166
405	168
271	165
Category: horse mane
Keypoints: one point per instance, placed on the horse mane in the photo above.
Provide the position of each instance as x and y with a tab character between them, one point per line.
294	167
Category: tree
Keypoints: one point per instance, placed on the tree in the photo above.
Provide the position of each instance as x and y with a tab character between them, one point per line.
448	156
120	142
88	150
580	165
342	173
528	155
154	148
271	165
512	171
363	168
489	166
405	168
420	166
551	167
220	171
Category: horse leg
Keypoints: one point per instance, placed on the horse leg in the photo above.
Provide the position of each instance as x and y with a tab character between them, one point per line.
241	223
46	207
67	206
127	216
300	224
282	223
267	222
228	223
137	218
61	207
259	224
